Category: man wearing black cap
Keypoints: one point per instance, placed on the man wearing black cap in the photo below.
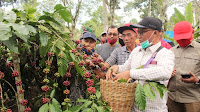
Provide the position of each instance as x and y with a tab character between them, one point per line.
156	63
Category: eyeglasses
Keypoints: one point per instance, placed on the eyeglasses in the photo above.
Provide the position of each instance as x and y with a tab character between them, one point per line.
114	34
141	32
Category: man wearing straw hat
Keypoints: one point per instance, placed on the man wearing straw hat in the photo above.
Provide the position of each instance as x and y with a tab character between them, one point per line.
157	67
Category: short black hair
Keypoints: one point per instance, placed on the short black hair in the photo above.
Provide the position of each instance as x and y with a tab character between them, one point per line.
112	26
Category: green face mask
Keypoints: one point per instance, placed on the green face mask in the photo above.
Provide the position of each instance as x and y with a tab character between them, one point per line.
146	43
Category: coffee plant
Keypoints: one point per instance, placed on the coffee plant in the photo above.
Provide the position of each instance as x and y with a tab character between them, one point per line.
41	68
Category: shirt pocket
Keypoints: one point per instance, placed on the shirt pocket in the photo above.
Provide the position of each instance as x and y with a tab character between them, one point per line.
191	59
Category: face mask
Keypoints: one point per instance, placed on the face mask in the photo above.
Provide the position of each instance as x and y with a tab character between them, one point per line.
88	52
103	41
112	41
146	43
121	42
184	42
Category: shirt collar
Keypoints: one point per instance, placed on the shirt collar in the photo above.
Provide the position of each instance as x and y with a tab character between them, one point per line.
124	49
152	48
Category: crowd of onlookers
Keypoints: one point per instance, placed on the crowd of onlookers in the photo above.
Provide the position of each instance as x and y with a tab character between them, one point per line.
126	48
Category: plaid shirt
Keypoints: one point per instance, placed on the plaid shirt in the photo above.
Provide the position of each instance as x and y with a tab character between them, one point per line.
118	56
159	71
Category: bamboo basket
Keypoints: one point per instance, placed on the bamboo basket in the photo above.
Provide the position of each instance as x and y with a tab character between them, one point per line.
119	96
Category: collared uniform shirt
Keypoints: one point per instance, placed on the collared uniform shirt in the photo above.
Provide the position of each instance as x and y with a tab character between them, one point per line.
118	56
160	72
186	59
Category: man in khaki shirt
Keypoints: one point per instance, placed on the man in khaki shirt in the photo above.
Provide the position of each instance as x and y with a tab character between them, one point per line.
184	92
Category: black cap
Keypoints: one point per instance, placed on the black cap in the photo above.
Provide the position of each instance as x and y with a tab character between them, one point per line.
149	22
126	27
89	35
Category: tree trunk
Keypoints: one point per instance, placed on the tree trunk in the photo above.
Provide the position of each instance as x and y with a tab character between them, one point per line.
112	4
73	31
105	17
165	15
149	8
16	64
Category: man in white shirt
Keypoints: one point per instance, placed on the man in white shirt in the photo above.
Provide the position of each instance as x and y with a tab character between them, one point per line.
159	69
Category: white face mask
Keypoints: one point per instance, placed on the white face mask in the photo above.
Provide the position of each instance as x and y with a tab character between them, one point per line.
146	43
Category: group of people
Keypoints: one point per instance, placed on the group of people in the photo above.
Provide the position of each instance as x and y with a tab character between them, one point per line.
176	67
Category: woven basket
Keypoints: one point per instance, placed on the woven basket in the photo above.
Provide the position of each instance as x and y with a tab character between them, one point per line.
119	96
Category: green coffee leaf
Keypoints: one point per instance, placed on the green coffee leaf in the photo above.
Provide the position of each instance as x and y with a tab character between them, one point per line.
162	89
154	85
59	7
63	65
60	44
87	110
43	39
140	98
87	104
44	108
82	100
140	67
21	36
31	29
56	105
5	31
149	92
98	94
78	69
52	93
11	44
51	108
10	16
76	108
22	15
49	18
45	29
100	109
65	14
31	10
21	29
122	80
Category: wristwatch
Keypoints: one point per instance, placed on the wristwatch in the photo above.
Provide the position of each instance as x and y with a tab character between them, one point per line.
198	83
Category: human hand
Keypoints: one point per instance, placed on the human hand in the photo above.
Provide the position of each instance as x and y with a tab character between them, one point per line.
192	79
89	63
110	72
123	75
173	73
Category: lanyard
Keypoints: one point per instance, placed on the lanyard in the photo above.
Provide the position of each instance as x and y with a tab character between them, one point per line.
152	57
